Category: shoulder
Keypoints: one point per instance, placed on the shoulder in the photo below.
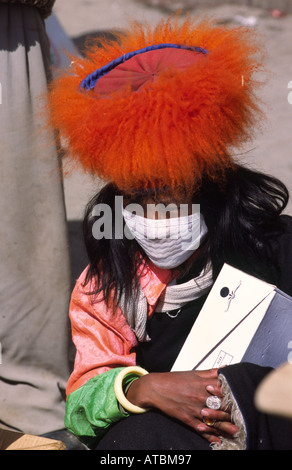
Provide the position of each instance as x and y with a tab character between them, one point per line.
89	312
282	254
283	240
286	221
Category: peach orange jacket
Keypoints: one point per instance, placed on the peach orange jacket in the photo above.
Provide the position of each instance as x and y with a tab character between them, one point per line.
104	340
105	343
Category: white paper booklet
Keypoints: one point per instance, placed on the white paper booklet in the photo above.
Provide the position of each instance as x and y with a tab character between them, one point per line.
234	308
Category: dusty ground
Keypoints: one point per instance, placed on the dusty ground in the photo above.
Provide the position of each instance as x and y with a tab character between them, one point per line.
271	150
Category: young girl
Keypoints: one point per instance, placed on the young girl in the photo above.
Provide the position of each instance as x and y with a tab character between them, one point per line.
156	114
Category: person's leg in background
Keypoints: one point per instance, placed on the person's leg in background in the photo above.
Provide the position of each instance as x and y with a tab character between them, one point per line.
34	253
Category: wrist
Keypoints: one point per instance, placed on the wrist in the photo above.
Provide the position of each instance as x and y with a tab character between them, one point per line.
123	382
139	392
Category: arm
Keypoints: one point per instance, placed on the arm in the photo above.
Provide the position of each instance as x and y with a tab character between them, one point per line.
104	344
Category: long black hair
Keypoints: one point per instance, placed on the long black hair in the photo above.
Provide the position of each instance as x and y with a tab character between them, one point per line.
242	217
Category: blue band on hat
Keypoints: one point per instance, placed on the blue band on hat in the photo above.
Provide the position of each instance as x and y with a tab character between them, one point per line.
90	81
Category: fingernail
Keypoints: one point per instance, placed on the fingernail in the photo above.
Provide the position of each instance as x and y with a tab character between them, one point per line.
205	412
210	388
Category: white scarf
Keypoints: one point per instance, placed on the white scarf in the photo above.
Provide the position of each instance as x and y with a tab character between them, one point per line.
174	297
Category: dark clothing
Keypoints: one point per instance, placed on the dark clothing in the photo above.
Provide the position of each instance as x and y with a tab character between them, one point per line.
152	431
167	337
264	432
44	6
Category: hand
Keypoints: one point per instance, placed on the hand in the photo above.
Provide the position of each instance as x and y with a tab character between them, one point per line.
223	426
182	395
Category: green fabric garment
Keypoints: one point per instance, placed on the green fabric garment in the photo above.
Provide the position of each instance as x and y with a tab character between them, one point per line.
93	408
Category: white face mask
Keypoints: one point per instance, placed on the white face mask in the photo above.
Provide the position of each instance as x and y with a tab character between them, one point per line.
167	242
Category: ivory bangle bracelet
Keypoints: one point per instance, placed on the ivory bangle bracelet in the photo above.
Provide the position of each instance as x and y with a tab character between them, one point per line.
126	404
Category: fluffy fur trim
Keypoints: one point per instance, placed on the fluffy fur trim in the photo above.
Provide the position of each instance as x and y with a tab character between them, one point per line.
182	126
238	442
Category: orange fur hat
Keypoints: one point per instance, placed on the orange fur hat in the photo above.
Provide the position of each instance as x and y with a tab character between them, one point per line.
160	106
